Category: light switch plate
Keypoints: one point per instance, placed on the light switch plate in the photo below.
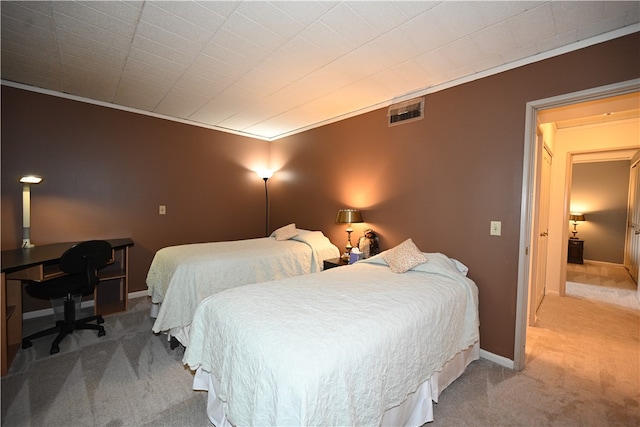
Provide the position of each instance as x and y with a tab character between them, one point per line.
496	228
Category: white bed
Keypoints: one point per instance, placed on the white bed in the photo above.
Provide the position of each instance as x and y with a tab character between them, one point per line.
354	345
180	277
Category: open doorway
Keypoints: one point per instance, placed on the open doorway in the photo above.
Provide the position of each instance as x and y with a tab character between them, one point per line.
597	101
600	194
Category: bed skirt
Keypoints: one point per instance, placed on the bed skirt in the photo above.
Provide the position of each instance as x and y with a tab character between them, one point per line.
416	409
179	333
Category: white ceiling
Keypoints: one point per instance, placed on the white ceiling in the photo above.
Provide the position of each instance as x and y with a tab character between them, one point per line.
272	68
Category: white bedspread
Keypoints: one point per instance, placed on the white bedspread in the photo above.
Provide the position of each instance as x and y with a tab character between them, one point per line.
334	348
180	277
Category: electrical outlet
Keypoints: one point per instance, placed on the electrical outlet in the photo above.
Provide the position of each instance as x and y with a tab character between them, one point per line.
496	228
162	210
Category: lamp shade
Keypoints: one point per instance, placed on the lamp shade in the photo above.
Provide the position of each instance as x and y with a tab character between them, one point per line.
348	216
264	173
576	217
31	179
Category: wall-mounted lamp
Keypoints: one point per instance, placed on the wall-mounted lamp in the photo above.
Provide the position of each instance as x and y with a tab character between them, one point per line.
265	174
26	181
348	216
575	217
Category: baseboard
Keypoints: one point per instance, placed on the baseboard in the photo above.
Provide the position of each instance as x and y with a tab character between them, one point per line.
498	360
84	304
606	263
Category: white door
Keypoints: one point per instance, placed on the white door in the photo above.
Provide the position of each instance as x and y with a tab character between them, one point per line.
540	240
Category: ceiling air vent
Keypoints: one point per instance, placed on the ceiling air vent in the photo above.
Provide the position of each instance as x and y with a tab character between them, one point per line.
406	111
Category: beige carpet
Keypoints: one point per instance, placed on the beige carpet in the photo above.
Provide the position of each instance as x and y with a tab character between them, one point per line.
603	282
581	370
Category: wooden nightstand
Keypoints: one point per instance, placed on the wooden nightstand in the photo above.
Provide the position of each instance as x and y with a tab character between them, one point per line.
333	262
576	251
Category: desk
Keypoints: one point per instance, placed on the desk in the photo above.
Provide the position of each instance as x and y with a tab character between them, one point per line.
41	263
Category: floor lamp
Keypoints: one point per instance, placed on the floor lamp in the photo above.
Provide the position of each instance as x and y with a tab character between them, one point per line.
26	181
265	174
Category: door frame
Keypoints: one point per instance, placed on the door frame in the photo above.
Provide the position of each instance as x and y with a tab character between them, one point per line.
529	181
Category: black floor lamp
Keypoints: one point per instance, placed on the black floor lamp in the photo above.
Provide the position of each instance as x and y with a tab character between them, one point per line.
265	174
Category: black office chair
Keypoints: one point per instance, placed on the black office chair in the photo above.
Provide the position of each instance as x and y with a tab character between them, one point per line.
81	262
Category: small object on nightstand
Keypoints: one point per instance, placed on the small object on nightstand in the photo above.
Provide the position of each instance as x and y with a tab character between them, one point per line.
576	251
334	262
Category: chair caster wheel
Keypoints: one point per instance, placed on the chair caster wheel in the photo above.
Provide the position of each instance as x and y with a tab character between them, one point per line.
54	350
100	321
26	344
101	333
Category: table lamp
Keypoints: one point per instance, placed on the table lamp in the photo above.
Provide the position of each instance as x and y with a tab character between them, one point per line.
26	181
348	216
575	217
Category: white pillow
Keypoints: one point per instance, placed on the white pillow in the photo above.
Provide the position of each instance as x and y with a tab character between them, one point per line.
286	232
404	257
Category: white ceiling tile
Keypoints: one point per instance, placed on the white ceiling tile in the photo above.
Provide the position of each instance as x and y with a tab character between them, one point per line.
424	32
141	94
127	11
181	103
166	64
568	18
219	109
519	53
222	8
382	16
17	16
495	40
73	16
305	12
209	88
93	84
214	70
31	70
533	25
404	78
229	43
412	9
462	52
249	30
493	12
152	47
179	15
166	28
557	41
329	43
458	19
269	16
348	24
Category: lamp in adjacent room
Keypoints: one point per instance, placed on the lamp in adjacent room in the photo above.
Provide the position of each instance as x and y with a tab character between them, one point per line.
576	217
265	174
348	216
26	181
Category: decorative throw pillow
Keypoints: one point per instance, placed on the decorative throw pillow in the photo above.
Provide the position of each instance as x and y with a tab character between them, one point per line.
286	232
404	257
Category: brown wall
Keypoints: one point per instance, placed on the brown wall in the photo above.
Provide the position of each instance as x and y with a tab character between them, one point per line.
107	171
440	180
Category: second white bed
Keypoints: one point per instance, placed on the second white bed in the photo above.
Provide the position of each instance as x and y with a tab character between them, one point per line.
180	277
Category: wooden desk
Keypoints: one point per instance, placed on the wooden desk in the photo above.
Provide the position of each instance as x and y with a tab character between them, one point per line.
40	263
